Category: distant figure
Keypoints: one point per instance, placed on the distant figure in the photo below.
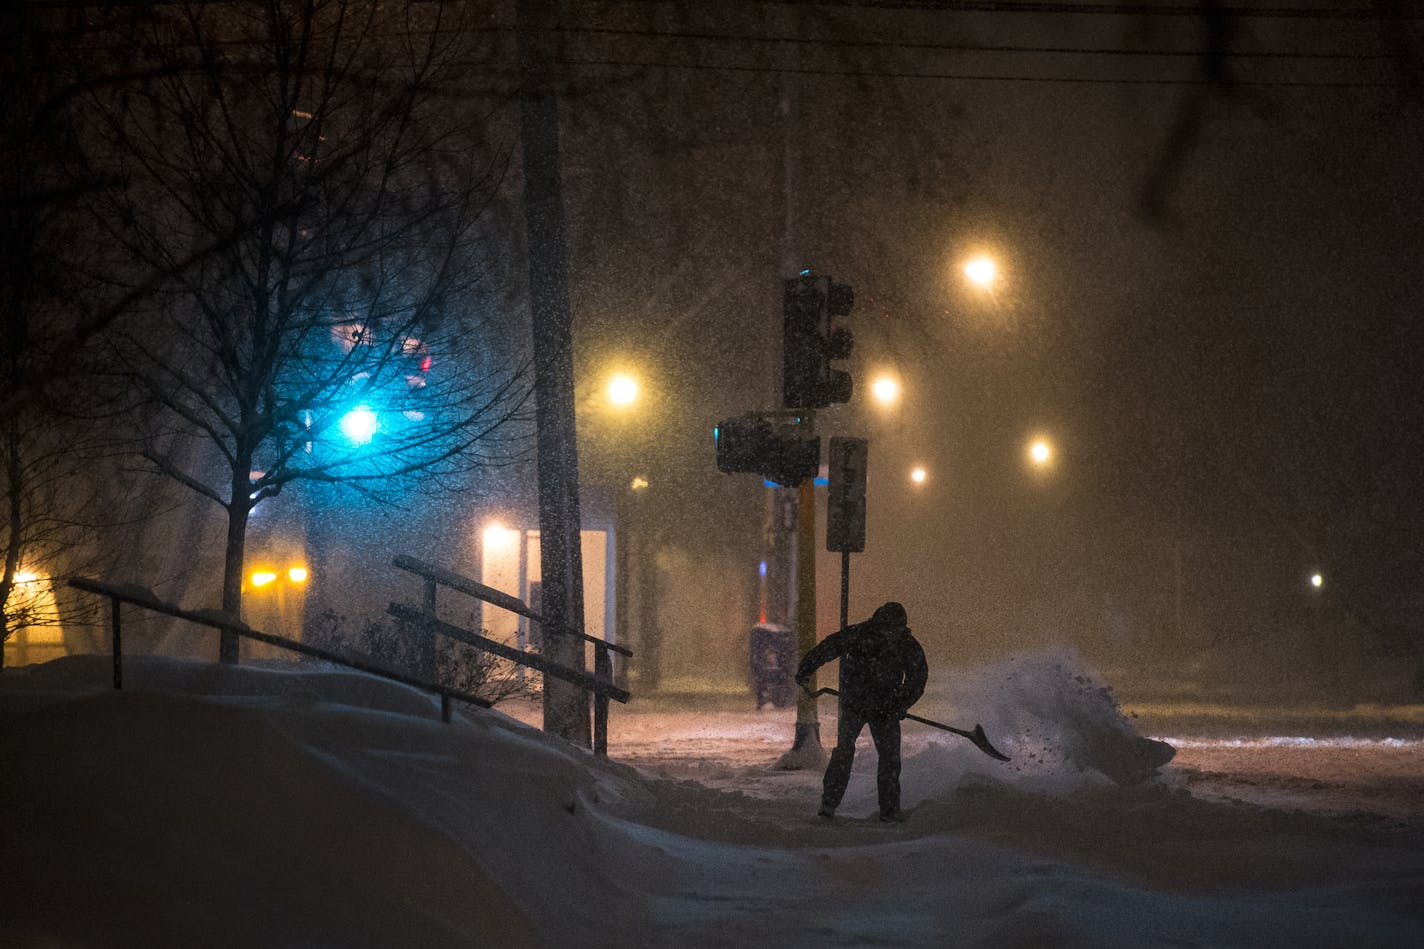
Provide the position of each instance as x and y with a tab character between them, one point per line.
883	673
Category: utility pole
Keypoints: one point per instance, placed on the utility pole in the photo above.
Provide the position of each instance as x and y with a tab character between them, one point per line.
566	707
806	747
806	750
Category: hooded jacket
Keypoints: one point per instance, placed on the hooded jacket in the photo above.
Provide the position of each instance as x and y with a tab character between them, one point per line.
883	670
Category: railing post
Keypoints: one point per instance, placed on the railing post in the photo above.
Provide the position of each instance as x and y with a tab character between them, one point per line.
118	644
425	660
444	708
602	670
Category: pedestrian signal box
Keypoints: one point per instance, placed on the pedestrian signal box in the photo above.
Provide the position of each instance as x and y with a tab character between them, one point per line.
845	498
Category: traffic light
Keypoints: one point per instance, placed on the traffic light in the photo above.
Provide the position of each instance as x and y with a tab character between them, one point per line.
810	341
751	443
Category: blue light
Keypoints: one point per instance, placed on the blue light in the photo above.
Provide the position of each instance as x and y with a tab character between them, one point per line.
761	568
818	482
806	271
360	425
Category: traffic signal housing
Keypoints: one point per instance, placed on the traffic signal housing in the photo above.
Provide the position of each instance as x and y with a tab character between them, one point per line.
811	341
752	443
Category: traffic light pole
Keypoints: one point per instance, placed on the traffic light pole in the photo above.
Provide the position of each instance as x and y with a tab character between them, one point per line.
845	588
806	750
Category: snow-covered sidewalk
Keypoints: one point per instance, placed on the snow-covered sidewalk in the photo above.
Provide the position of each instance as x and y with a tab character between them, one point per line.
243	807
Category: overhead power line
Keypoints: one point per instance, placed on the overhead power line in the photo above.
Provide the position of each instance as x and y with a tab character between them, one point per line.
1329	11
983	77
751	38
837	43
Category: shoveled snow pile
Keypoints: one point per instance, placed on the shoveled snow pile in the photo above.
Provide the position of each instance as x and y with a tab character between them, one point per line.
217	806
1061	725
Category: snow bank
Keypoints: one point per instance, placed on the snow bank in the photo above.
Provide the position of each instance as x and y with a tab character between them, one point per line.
155	819
251	807
283	683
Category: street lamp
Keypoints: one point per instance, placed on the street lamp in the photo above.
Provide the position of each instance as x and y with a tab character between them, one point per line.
918	475
885	389
1040	452
982	271
622	389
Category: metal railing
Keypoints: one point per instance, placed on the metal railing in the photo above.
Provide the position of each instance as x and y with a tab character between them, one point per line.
600	684
135	596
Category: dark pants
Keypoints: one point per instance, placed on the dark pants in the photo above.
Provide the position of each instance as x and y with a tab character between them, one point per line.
885	732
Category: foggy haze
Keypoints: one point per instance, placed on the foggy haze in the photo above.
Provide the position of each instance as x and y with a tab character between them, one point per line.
1220	336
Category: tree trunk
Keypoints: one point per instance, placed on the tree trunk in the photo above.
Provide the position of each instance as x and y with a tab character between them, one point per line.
566	707
233	562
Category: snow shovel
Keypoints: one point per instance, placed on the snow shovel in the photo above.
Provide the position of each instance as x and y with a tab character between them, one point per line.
981	741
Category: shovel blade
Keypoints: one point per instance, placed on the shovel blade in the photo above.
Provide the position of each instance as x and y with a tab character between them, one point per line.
981	740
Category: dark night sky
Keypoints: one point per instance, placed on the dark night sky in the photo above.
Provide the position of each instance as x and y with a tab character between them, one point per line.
1230	380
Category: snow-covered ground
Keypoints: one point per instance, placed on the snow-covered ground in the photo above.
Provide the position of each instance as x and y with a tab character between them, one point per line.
213	807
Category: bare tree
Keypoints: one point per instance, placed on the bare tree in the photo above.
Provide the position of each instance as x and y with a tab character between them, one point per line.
46	518
330	329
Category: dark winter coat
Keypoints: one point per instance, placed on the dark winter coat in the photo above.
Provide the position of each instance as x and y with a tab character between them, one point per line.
883	669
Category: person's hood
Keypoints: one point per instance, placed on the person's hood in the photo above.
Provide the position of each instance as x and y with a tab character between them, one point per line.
890	615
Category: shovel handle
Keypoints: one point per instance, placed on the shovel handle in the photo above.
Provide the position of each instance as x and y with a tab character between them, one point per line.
981	741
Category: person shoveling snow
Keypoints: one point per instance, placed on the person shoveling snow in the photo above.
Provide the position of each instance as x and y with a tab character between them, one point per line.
883	673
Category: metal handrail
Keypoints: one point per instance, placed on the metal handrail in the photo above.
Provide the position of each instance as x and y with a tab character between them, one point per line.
143	598
498	598
533	660
600	683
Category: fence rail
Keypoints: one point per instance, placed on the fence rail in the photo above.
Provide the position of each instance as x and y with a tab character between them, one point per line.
600	684
118	594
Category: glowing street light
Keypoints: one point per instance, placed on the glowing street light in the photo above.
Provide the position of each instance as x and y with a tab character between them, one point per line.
982	271
1040	453
918	475
622	389
1317	580
885	389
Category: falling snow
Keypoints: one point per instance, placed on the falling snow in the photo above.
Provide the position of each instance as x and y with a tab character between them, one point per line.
243	806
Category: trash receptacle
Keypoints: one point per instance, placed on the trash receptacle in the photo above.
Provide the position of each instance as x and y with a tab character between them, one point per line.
772	661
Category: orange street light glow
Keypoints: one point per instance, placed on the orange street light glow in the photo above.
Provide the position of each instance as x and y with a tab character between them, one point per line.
260	578
918	475
622	389
1040	452
886	389
982	271
297	574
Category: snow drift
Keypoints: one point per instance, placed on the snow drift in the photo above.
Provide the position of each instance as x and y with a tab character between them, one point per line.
246	807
